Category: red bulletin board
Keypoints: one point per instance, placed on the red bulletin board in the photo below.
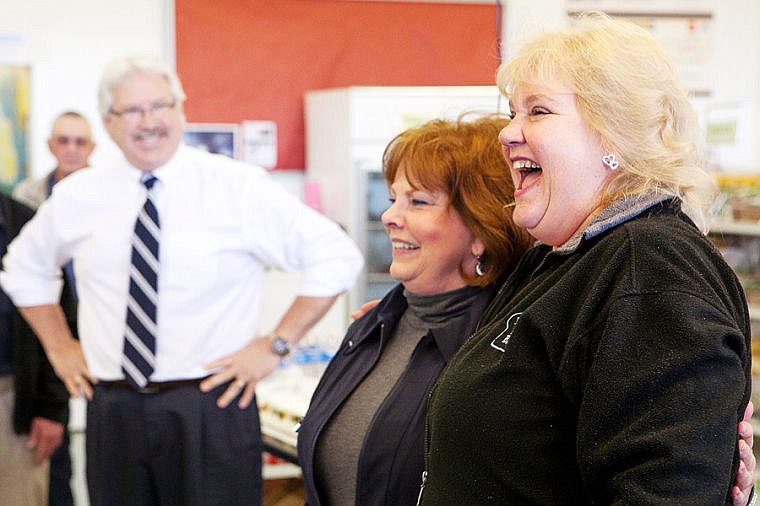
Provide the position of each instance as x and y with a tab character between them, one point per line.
254	59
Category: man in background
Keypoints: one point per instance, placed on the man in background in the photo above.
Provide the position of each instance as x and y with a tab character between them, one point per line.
33	401
71	144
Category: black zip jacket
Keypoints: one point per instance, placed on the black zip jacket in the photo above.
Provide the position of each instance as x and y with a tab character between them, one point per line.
391	460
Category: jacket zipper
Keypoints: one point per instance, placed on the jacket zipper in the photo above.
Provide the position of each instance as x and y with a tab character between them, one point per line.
427	423
422	488
427	446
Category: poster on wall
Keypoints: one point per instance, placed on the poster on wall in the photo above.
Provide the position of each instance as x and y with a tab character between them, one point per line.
260	143
219	138
14	121
684	28
642	6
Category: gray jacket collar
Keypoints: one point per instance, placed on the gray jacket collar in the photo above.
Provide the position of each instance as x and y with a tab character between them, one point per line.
612	216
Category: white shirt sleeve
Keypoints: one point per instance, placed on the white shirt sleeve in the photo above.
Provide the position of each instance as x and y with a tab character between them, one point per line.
31	274
301	239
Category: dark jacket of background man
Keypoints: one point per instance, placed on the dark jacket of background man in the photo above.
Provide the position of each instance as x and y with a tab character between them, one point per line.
39	392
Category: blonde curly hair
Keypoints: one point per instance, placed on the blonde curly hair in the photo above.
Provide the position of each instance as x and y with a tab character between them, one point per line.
628	92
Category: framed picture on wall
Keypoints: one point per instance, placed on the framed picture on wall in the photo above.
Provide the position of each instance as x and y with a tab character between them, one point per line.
220	138
14	122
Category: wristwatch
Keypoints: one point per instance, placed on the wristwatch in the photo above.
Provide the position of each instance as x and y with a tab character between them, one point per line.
278	345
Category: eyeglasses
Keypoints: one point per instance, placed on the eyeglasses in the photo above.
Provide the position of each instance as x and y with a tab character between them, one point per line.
64	140
135	113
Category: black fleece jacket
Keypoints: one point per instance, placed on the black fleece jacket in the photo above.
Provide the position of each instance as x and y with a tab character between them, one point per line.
612	371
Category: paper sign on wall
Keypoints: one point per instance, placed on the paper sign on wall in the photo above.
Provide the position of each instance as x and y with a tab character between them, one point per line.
260	143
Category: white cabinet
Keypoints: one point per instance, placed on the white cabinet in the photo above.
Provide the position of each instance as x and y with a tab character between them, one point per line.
347	130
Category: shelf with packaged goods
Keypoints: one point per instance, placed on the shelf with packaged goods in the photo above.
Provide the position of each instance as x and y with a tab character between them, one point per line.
739	242
733	227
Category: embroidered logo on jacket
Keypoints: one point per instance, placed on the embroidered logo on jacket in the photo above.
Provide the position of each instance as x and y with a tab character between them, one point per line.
500	341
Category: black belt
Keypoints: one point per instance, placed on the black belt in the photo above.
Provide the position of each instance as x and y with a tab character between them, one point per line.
153	387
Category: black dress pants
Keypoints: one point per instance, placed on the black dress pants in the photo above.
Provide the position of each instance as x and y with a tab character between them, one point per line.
60	472
171	448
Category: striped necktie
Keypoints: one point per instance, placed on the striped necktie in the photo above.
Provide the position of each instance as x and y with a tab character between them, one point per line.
140	338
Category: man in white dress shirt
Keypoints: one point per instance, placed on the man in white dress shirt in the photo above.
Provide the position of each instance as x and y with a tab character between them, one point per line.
191	434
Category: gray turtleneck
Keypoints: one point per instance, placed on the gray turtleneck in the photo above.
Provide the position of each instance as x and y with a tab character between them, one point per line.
339	446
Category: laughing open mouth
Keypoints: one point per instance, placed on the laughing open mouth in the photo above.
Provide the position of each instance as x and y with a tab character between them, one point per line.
526	169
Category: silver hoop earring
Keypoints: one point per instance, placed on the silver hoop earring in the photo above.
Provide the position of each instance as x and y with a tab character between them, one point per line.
479	269
610	161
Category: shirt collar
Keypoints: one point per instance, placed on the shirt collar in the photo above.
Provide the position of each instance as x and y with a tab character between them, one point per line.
167	172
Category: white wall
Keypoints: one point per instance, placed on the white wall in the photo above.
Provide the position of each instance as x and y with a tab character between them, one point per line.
67	43
737	75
